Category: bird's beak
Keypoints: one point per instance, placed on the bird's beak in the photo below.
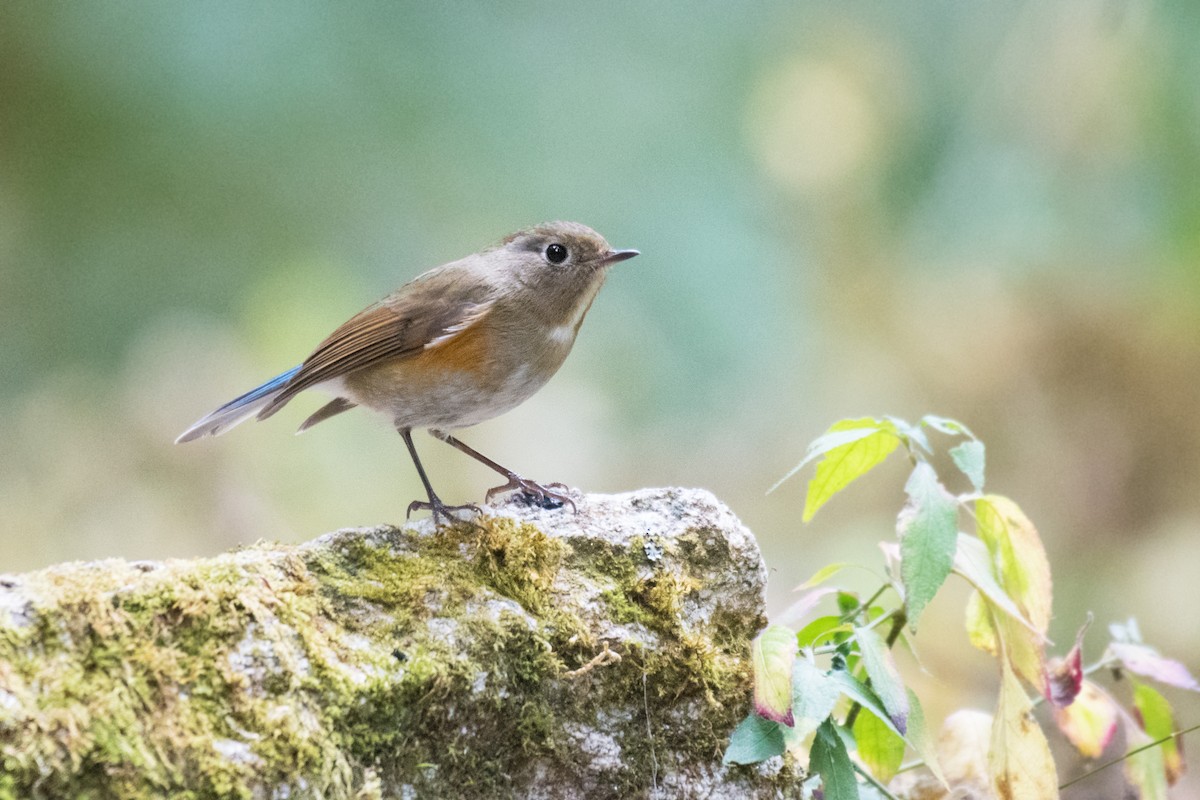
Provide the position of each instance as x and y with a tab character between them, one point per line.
619	255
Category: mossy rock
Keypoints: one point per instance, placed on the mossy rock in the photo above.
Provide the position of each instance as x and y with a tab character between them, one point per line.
533	653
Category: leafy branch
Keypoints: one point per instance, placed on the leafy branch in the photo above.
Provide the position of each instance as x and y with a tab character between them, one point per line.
829	694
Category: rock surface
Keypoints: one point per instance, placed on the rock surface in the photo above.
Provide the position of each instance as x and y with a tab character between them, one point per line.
536	654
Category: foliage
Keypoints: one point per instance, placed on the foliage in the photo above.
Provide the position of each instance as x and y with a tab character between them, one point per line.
851	717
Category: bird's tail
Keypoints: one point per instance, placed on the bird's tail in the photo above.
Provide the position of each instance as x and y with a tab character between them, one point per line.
237	410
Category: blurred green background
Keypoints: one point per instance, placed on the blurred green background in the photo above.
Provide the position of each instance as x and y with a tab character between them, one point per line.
987	211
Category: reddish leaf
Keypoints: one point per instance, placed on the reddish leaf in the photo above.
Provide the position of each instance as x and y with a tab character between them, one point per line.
772	654
1064	676
1090	721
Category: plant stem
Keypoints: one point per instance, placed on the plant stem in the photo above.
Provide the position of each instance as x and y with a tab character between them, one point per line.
871	779
1132	752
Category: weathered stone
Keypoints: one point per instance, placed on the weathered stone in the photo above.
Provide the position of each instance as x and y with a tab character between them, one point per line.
534	654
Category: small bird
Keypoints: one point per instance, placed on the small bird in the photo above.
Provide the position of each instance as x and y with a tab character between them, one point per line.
457	345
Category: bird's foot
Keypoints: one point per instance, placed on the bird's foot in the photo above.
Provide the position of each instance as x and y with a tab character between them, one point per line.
439	509
550	496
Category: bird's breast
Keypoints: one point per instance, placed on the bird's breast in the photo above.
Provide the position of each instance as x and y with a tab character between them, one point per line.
480	373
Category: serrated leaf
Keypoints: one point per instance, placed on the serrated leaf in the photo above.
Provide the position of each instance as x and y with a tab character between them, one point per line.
1158	722
885	678
840	434
754	739
814	694
1022	570
1020	763
860	693
1144	660
928	532
880	749
829	759
1020	558
1090	721
849	450
970	458
772	654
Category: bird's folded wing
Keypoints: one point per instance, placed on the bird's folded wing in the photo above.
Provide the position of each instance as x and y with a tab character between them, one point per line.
387	330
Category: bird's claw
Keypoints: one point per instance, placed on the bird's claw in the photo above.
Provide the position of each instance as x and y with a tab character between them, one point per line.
549	497
439	509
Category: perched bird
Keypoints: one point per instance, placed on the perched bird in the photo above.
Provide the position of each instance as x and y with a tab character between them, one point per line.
459	344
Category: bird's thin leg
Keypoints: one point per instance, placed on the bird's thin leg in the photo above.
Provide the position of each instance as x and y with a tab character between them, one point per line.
551	495
435	505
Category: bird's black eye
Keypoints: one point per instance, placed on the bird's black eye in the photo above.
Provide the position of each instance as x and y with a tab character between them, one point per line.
556	253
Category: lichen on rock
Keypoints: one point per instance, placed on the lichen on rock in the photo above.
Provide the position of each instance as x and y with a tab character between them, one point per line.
534	653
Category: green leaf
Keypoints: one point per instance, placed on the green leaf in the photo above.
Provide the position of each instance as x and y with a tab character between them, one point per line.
772	653
860	693
829	759
1158	723
1144	769
885	679
880	749
928	531
822	628
755	739
813	693
970	458
921	738
848	450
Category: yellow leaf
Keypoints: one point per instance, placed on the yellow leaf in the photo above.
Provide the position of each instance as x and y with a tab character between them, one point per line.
1024	572
980	629
1090	721
1020	763
880	749
864	443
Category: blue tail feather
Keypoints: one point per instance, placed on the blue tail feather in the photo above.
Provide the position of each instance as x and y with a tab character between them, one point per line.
270	387
237	409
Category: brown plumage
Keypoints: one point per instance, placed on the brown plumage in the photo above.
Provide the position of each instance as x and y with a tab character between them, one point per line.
459	344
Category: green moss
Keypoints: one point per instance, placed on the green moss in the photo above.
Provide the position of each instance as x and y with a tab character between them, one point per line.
444	661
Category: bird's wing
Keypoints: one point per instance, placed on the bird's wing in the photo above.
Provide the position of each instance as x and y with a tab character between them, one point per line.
397	327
